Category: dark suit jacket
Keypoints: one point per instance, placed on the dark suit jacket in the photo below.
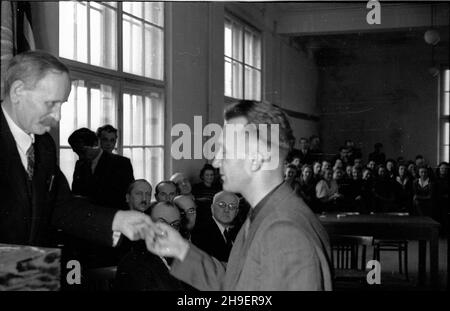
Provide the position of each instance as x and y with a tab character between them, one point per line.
109	183
208	237
31	218
286	248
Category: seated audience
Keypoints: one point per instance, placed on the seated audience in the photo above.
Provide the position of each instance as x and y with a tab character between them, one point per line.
107	136
367	190
207	188
216	236
188	211
423	194
355	191
183	184
165	191
141	270
327	192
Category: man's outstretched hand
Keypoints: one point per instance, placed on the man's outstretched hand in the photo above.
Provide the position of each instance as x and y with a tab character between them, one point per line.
132	224
163	240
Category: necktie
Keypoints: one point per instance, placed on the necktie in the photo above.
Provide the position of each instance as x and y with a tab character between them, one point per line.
228	237
30	159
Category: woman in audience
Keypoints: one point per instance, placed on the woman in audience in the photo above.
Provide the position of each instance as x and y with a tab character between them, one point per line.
349	172
423	194
325	165
317	171
390	169
383	191
327	191
404	189
206	190
367	190
355	190
307	188
412	169
290	176
371	166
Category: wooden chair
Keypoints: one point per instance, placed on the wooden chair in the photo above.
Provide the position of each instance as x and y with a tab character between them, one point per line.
349	271
399	246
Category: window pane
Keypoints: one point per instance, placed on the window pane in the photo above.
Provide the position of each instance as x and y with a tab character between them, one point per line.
447	80
228	78
237	80
252	83
137	110
228	35
154	52
237	42
67	29
446	103
154	165
103	36
137	160
134	8
67	160
154	12
446	134
80	37
248	48
256	51
103	109
132	46
154	119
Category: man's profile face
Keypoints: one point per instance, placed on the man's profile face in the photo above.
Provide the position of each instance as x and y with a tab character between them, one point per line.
167	214
38	108
183	184
189	210
167	192
108	141
225	208
140	197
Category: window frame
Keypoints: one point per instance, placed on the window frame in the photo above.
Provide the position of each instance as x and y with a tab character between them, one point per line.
245	25
442	118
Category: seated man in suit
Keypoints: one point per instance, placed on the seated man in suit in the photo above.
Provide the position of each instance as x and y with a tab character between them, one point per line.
107	135
188	210
139	195
216	236
282	245
102	177
165	191
140	270
184	186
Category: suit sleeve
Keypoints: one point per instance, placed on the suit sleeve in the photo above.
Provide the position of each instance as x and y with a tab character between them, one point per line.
77	216
200	270
290	260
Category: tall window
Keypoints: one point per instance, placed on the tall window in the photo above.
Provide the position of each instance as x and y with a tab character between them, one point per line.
444	117
242	60
115	51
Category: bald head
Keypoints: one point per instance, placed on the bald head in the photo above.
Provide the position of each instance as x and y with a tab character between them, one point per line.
166	212
188	210
182	182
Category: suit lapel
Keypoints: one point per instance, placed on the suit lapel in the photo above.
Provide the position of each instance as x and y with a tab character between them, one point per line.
241	245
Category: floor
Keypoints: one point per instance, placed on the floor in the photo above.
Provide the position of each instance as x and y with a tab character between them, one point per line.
390	277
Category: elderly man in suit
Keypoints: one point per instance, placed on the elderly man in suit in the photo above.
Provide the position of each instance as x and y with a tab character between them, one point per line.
217	234
35	197
282	245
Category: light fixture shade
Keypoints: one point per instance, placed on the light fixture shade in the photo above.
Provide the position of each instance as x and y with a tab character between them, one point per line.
432	36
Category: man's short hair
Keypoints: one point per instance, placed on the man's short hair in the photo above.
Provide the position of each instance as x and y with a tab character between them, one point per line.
107	128
30	67
164	182
131	186
263	113
84	136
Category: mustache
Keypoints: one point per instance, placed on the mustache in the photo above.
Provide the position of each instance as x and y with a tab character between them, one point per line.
49	121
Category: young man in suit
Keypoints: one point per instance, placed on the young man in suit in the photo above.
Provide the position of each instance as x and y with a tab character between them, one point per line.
100	176
282	245
35	197
217	234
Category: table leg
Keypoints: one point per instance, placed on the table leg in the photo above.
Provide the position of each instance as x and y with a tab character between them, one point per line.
422	262
434	260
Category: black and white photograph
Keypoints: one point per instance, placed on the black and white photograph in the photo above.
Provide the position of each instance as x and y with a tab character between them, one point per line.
210	147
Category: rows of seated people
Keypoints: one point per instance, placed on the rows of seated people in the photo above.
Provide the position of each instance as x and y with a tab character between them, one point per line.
345	183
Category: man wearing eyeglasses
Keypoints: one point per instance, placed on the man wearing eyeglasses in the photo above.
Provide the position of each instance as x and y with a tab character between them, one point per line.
282	245
216	235
188	210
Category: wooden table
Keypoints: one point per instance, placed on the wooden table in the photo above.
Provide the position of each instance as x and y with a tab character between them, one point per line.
383	226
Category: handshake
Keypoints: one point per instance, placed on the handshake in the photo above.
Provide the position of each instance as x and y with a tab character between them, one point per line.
160	238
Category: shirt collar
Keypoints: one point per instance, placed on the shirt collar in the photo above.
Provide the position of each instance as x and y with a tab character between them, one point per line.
424	183
221	227
23	140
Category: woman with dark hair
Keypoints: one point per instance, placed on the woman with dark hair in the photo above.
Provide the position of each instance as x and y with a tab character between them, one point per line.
403	183
423	193
317	166
391	169
206	189
383	191
412	169
307	187
327	192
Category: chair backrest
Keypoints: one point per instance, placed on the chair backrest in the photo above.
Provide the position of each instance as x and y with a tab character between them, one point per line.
345	251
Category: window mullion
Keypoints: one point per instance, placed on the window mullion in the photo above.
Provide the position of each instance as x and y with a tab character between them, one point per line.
88	36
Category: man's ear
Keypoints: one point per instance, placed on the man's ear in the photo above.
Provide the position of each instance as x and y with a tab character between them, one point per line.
16	91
